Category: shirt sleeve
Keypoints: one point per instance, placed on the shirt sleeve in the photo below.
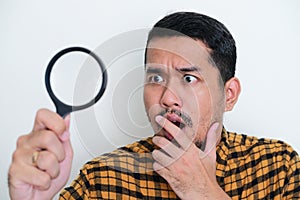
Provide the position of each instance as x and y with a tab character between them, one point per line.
292	180
78	189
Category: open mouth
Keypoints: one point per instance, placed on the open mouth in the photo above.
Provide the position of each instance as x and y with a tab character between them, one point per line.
176	120
178	124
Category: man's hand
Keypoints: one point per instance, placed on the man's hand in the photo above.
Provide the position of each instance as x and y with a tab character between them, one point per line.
190	172
41	163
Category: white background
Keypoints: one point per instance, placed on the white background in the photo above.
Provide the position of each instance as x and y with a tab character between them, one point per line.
267	34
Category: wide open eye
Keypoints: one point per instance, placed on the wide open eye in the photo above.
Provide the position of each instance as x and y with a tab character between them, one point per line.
189	78
155	78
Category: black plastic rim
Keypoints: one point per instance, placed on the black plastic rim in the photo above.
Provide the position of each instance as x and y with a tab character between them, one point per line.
64	109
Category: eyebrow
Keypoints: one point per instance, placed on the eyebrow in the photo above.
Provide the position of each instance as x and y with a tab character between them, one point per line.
151	70
154	70
189	69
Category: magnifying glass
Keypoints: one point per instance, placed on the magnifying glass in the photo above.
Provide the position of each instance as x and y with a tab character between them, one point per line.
62	108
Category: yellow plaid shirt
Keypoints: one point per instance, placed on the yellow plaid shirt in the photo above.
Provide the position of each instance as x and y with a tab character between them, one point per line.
247	168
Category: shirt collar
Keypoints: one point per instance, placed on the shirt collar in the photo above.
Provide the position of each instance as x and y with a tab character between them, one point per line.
222	151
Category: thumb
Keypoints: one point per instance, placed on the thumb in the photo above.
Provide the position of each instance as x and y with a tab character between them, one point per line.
66	135
67	120
66	164
211	142
66	139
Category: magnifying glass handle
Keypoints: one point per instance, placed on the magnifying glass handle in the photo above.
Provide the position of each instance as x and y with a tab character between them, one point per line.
62	109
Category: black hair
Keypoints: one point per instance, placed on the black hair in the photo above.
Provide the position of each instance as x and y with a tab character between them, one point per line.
201	27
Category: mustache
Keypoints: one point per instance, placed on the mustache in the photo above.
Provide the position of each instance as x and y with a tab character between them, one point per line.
187	119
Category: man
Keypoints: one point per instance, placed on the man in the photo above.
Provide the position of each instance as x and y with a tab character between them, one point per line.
189	84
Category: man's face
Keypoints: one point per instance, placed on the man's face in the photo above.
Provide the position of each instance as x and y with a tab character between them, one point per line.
182	85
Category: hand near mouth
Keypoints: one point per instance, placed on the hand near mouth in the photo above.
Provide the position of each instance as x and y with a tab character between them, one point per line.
190	172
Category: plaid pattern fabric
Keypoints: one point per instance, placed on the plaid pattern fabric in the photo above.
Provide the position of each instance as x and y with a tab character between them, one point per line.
247	168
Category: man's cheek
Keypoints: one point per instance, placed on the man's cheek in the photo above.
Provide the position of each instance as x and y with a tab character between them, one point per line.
202	119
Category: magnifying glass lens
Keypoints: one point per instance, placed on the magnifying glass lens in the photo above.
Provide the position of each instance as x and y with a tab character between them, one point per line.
76	78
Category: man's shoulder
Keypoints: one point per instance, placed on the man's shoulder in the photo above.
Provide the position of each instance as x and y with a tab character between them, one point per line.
140	147
131	158
255	165
247	141
245	146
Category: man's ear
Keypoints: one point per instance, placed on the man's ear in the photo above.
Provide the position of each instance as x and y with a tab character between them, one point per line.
232	91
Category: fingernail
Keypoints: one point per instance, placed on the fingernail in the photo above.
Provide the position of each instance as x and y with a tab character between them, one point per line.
154	140
65	136
67	121
215	126
68	117
159	119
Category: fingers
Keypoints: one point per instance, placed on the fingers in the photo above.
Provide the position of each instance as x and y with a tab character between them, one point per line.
47	141
169	152
160	169
66	141
162	159
43	158
38	175
183	141
211	141
50	134
47	162
67	147
46	119
50	138
66	136
22	173
47	135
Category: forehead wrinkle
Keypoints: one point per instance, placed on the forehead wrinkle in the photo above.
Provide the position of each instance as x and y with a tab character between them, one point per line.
165	69
185	47
171	62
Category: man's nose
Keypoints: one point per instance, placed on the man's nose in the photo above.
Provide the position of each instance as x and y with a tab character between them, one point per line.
170	99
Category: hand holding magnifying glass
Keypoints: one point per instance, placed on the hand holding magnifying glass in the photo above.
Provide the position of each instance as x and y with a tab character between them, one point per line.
48	145
62	108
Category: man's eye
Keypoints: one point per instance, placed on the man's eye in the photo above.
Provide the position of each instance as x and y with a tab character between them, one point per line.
155	79
189	78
